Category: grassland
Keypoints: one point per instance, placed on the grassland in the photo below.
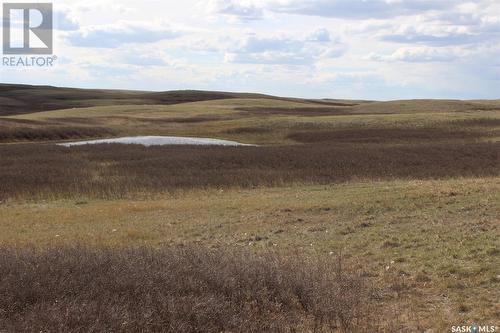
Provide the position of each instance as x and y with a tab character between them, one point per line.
117	171
259	120
406	193
20	99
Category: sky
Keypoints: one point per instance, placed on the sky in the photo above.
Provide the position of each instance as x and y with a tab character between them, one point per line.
352	49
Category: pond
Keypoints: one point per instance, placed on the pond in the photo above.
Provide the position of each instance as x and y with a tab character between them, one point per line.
158	141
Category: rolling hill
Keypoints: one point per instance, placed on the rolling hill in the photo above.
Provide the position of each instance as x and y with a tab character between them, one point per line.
20	99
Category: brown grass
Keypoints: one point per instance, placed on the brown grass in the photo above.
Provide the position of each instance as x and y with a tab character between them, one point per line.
480	122
302	111
382	135
250	130
6	122
12	134
178	290
185	120
23	99
114	171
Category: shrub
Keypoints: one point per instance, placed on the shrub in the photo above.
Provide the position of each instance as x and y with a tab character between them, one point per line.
177	290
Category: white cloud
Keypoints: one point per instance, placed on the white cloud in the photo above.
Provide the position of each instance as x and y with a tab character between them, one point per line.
63	20
465	23
419	54
343	9
122	32
445	36
238	10
361	9
284	49
320	35
313	48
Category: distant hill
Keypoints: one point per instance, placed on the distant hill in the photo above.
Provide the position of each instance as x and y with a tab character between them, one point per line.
20	99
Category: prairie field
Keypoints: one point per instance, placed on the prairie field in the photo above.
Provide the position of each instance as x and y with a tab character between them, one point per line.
346	216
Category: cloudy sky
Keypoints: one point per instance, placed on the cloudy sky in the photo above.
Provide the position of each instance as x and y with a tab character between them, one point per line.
362	49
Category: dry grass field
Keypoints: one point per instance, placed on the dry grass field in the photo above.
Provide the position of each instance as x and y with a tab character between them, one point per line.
120	171
349	216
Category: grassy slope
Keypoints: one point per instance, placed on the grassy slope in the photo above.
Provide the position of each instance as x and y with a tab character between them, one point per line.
248	118
212	107
22	99
230	118
428	105
432	245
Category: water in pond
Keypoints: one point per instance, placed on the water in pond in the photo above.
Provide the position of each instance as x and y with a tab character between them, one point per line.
159	141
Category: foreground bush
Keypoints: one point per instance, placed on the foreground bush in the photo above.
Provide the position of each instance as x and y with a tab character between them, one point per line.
175	290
